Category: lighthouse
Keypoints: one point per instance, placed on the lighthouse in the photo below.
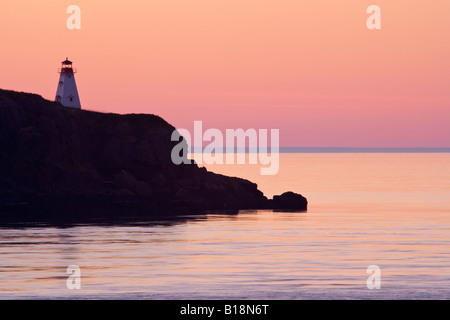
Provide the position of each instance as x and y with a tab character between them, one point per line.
67	93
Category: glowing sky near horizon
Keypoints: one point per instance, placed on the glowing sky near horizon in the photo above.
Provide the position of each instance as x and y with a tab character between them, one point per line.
309	68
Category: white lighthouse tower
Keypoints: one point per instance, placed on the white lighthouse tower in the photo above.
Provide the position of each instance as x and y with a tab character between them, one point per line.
67	93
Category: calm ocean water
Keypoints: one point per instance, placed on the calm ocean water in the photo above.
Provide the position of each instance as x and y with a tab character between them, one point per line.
389	210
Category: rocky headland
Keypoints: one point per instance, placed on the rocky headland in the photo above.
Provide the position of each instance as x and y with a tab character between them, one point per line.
57	160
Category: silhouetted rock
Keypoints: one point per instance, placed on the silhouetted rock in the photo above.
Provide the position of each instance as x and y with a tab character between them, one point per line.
60	159
289	201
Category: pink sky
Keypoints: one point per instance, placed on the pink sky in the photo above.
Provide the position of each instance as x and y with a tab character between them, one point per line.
309	68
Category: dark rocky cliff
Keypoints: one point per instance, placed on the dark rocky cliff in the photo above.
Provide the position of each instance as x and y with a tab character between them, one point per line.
56	158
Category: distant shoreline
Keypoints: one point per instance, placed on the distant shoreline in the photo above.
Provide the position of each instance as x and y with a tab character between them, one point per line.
362	150
348	150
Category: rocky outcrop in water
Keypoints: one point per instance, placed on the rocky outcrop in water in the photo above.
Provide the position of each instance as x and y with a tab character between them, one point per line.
54	158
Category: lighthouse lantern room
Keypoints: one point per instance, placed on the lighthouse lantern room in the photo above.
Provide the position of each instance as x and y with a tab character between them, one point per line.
67	93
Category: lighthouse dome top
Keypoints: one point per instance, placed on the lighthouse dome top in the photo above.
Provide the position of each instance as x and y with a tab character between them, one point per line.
66	66
67	61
